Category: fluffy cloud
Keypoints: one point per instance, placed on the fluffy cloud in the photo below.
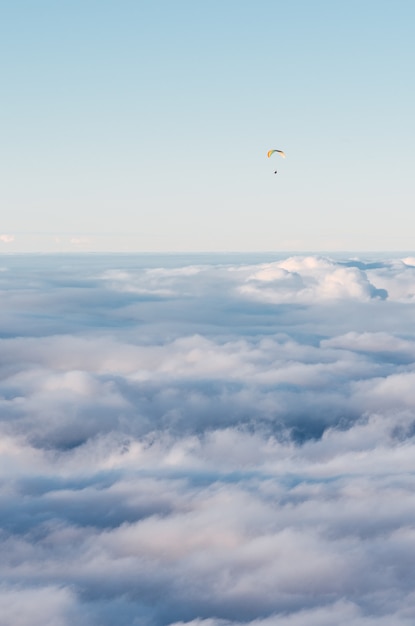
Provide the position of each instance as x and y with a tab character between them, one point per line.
207	443
7	238
307	279
44	606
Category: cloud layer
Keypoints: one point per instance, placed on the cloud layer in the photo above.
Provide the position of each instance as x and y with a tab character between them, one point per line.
207	441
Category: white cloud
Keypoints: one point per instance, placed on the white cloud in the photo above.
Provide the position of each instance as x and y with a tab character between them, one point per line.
80	241
372	342
309	279
38	606
7	238
207	445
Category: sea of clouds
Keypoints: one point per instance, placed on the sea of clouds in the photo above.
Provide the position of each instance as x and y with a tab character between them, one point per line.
207	440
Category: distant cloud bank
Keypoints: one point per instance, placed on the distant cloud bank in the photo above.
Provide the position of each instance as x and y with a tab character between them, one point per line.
7	238
211	441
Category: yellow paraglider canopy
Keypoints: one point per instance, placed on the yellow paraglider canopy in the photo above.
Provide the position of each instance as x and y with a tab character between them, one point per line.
272	152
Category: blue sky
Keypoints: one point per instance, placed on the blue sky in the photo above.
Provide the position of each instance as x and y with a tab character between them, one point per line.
144	125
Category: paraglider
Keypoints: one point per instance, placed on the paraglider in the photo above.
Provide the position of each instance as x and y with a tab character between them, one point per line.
270	152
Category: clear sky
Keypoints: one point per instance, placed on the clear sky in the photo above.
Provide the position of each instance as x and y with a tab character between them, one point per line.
144	125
